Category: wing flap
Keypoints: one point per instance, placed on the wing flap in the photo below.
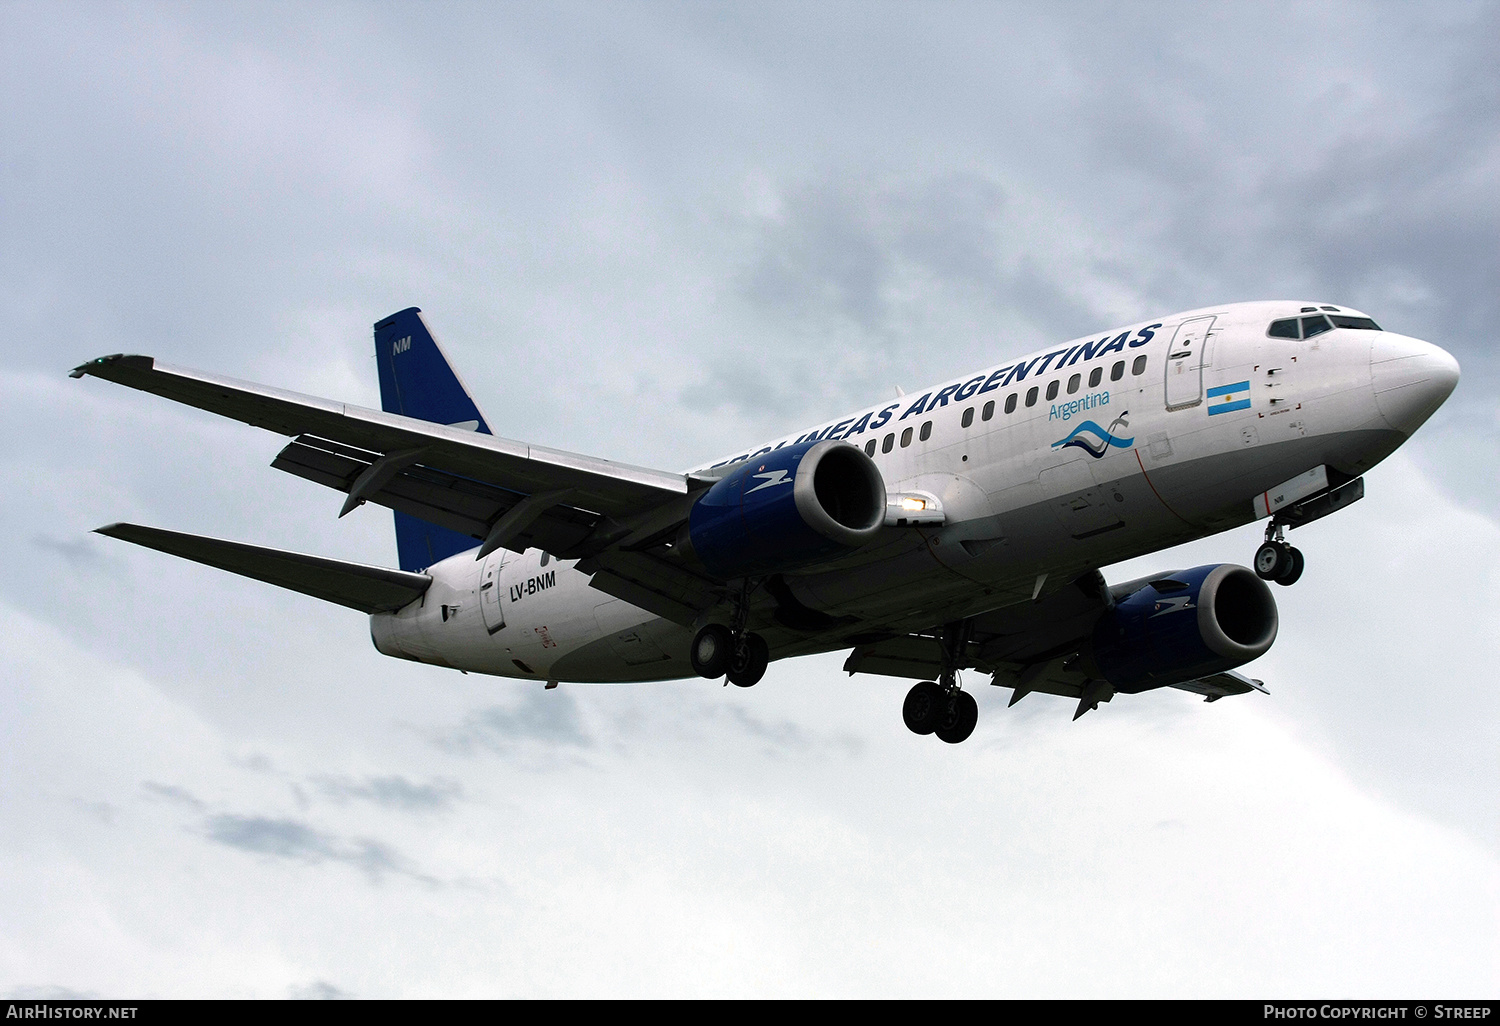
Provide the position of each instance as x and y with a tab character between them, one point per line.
370	589
1221	685
457	503
653	584
599	485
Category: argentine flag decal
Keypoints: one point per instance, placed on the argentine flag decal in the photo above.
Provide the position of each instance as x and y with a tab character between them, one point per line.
1228	398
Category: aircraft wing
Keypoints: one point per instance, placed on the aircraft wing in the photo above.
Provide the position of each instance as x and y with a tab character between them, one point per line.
500	492
1028	646
598	485
370	589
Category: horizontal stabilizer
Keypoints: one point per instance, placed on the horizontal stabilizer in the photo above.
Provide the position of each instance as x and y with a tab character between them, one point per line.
370	589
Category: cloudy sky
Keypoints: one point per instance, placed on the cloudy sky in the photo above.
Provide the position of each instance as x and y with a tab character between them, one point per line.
655	232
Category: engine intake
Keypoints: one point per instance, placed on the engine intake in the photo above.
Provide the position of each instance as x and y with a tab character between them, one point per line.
794	506
1185	625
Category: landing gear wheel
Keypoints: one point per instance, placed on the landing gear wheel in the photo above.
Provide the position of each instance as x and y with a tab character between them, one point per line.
748	661
710	651
957	718
1273	560
923	704
1293	571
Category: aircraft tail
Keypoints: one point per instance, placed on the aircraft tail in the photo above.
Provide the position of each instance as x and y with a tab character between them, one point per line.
416	380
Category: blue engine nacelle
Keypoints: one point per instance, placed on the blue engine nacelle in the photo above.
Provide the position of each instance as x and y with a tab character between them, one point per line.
794	506
1184	625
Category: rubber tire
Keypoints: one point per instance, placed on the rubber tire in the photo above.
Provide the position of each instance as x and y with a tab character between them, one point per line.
747	663
959	718
923	704
1273	560
710	651
1294	571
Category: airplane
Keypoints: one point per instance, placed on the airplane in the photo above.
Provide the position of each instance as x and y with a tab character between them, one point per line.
958	527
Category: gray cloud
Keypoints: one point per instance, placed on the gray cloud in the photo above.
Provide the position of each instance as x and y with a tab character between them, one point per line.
45	992
548	718
294	840
318	990
81	553
787	739
173	793
104	812
394	792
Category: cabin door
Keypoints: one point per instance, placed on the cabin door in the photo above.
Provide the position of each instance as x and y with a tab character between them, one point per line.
1185	363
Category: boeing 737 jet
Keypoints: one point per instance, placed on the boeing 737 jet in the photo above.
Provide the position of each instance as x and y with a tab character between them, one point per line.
959	527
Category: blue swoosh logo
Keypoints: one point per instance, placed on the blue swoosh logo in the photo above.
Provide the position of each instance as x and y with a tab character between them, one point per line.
1094	448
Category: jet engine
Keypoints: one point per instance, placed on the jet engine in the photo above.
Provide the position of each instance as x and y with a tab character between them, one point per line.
1184	625
791	507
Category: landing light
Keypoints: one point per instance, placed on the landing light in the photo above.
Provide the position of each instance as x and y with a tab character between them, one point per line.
912	504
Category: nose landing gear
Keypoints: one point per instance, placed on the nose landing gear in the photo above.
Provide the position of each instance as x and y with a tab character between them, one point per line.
1277	561
942	708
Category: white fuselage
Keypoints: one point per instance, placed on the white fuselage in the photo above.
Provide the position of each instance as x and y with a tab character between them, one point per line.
1084	454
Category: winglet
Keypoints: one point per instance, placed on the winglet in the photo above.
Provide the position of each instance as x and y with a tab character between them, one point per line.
101	366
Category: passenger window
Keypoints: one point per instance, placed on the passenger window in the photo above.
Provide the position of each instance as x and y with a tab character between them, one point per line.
1283	329
1315	326
926	430
968	416
1139	367
989	410
1118	370
1095	375
546	558
1010	403
1052	390
1031	396
870	447
1074	382
906	438
890	441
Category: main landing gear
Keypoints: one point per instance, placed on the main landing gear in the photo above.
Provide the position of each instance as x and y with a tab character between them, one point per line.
1276	560
717	652
941	708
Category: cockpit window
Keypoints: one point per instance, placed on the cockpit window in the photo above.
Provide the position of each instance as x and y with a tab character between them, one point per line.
1345	321
1315	326
1284	329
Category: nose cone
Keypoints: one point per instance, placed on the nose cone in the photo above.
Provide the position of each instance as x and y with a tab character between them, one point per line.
1411	379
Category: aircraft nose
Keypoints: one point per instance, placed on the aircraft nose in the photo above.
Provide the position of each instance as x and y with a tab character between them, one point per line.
1411	379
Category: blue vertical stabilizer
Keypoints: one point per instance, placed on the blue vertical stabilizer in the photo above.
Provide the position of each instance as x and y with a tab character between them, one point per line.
417	381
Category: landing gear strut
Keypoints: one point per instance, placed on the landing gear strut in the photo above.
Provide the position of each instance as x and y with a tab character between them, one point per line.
1275	560
717	652
940	707
733	652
